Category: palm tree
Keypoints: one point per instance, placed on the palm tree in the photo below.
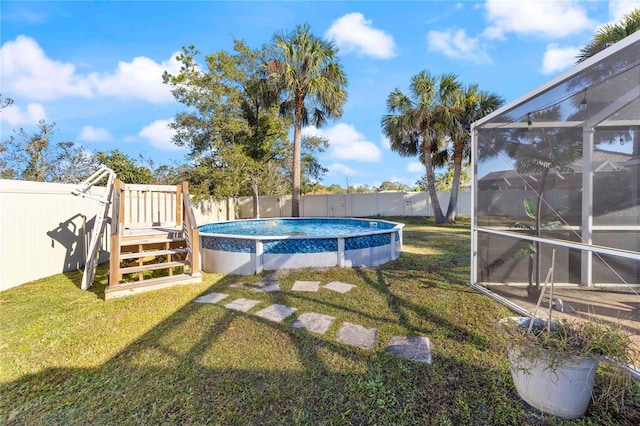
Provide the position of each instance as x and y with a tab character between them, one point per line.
474	104
417	124
610	34
314	86
538	153
606	36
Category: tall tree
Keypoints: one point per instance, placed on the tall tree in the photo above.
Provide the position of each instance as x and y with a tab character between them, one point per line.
444	180
36	157
418	124
232	124
541	152
125	167
312	171
313	84
473	104
610	34
5	102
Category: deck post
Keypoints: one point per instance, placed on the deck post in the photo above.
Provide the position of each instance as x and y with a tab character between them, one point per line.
179	204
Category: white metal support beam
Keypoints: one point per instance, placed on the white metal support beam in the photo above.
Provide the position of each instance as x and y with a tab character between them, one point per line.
586	275
474	188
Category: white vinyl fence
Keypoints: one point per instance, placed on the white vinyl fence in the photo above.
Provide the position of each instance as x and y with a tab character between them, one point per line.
355	205
45	230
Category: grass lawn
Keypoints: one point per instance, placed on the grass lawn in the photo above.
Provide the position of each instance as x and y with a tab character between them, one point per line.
70	357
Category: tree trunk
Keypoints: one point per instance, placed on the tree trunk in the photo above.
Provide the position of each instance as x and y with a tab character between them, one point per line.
295	193
256	200
545	173
455	184
431	184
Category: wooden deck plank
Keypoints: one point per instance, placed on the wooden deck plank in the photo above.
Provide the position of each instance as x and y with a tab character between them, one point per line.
153	266
137	254
128	289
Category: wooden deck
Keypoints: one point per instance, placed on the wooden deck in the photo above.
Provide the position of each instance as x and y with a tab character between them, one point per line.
145	256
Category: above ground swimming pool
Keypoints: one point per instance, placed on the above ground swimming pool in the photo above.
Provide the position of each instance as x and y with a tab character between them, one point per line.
250	246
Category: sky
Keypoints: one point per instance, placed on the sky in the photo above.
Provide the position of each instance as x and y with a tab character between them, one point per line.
94	68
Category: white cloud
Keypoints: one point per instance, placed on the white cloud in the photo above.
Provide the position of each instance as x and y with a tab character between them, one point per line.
410	182
618	9
550	19
353	33
558	58
457	45
15	116
346	143
28	73
385	142
139	79
342	169
94	134
415	167
159	135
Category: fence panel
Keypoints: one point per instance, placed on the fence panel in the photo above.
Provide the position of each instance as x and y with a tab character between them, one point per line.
45	229
390	203
314	205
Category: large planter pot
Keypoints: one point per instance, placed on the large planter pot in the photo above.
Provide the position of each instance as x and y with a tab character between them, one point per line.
561	387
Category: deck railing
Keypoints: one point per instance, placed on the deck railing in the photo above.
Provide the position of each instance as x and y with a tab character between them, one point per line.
190	229
152	206
116	230
149	206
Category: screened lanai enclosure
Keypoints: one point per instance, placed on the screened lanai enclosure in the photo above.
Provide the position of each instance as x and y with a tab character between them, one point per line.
557	176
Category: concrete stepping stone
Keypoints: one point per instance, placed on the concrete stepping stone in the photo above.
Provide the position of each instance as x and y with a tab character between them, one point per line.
357	335
306	286
276	312
267	286
211	298
339	286
235	285
416	348
242	304
314	322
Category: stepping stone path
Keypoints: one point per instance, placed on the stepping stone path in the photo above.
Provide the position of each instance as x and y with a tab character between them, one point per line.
267	286
243	305
306	286
339	286
357	335
314	322
276	312
416	348
211	298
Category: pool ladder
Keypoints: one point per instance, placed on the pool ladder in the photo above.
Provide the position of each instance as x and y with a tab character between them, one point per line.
83	190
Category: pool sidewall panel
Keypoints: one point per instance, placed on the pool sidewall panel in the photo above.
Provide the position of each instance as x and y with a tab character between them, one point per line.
370	256
274	262
292	253
228	262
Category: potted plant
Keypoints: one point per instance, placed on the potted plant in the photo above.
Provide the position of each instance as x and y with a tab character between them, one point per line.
529	250
553	363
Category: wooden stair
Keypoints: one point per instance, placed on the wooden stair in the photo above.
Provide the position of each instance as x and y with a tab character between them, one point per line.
148	242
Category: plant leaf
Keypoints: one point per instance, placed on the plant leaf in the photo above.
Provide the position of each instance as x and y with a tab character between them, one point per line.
530	208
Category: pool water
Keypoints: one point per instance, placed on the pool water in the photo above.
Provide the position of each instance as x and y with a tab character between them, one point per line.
317	227
252	246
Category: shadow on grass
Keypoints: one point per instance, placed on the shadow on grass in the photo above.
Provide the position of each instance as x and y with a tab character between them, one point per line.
186	386
204	364
99	284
